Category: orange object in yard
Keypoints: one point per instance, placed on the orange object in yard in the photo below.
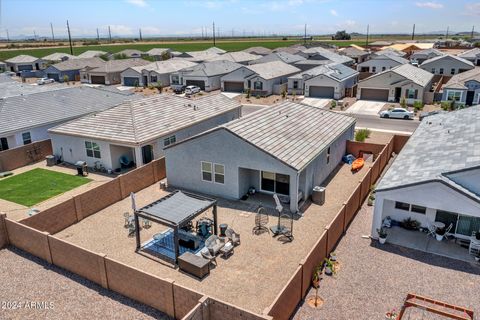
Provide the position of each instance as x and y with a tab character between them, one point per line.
358	164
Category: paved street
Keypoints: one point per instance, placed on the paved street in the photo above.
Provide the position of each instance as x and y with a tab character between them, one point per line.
380	124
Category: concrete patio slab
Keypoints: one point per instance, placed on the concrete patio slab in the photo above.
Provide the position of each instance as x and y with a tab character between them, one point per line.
317	102
366	107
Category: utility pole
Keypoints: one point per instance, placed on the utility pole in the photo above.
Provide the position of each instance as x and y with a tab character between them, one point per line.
34	35
368	30
473	31
140	33
305	35
446	36
413	32
69	38
98	35
214	34
53	35
8	37
109	34
202	32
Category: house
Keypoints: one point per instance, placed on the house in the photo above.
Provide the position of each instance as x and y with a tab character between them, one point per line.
139	130
380	43
198	56
436	176
279	56
380	63
447	65
358	55
464	88
215	50
261	79
109	73
71	68
403	81
419	57
472	55
324	55
154	73
410	47
391	51
159	53
332	81
3	66
92	54
129	53
261	51
285	149
26	118
58	57
10	87
290	50
236	56
205	75
24	62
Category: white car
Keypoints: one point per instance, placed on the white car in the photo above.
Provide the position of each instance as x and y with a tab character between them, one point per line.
192	90
397	113
45	80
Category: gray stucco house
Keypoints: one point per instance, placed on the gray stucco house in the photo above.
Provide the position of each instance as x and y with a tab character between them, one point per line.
332	81
472	55
404	81
285	149
71	68
447	65
463	88
382	62
110	71
24	62
420	56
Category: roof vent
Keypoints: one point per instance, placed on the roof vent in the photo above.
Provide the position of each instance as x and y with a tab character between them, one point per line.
195	108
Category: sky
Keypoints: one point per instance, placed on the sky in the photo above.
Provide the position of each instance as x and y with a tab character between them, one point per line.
190	17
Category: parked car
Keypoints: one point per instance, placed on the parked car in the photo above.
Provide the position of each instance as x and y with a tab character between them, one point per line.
397	113
192	90
179	90
45	80
431	113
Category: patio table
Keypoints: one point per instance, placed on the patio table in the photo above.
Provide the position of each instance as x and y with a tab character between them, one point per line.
439	225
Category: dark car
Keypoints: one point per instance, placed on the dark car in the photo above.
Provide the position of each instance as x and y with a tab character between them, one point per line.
179	90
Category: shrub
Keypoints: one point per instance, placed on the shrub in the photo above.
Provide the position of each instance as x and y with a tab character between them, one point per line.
333	104
418	106
66	79
362	134
248	93
284	94
403	102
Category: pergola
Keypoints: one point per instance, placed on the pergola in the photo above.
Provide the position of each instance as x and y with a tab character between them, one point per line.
175	211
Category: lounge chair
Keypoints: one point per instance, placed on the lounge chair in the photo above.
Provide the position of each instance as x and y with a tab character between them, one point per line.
214	244
207	255
233	236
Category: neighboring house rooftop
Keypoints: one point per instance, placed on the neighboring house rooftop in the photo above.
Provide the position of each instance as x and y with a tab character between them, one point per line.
411	46
91	54
337	72
258	50
167	66
137	122
280	56
273	69
58	56
442	144
380	43
23	58
43	108
215	50
237	56
458	80
327	55
78	64
387	56
391	51
10	88
432	52
130	52
119	65
210	69
448	57
414	74
200	56
290	50
470	54
157	51
354	52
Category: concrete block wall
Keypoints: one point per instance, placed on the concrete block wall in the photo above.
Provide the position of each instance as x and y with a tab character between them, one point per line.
399	142
335	229
54	219
220	310
3	231
98	198
137	179
185	299
287	300
355	148
18	157
313	258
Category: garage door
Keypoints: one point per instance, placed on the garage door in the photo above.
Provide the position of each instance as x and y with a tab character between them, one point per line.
230	86
54	76
131	81
197	83
374	94
98	79
320	92
25	67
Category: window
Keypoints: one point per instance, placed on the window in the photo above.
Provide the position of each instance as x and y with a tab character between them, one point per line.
452	72
275	182
27	138
3	144
433	70
295	84
219	173
383	68
454	95
258	85
402	206
206	171
374	69
441	71
418	209
328	155
93	149
153	79
411	93
175	79
169	140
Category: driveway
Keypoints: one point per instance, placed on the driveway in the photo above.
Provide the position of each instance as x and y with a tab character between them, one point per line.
371	108
231	95
317	102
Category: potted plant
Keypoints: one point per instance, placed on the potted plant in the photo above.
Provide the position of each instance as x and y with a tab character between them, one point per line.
439	233
333	256
382	235
329	267
391	315
316	278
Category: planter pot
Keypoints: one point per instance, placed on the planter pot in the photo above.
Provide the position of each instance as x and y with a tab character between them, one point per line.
382	240
328	271
333	258
439	237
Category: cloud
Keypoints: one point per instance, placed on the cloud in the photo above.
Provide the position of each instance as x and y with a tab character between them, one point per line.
211	4
334	13
138	3
472	9
121	30
429	5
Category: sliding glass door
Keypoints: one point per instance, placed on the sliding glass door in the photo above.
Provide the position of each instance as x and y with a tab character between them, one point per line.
275	182
462	225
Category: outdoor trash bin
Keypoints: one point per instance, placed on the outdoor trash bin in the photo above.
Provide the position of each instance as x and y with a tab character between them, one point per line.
223	228
50	160
318	195
81	168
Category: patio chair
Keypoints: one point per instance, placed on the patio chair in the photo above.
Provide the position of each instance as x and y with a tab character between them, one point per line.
214	244
286	227
131	230
261	221
447	231
146	223
126	215
207	255
233	236
431	229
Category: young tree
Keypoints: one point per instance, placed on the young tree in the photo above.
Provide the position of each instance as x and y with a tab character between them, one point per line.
342	35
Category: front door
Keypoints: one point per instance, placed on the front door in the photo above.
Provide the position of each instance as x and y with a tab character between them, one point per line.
398	94
275	182
470	96
147	154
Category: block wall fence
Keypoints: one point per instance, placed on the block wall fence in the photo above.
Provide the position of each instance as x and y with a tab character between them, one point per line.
21	156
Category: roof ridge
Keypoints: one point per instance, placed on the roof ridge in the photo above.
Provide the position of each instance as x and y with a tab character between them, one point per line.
132	113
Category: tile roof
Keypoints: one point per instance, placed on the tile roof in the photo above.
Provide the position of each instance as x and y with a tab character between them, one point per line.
22	58
415	74
353	52
279	56
91	54
432	52
78	64
470	54
42	108
119	65
389	56
157	51
130	52
258	50
293	133
289	50
210	69
237	56
391	51
335	71
167	66
58	56
140	121
448	57
458	80
273	69
441	144
10	87
215	50
327	55
200	56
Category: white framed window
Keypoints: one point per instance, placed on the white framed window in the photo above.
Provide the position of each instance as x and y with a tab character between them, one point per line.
452	71
169	140
175	79
441	71
27	138
93	149
258	85
374	69
207	171
433	70
219	173
454	95
295	84
411	93
153	79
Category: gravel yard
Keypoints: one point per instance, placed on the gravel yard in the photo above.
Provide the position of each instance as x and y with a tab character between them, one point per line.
374	279
27	280
258	269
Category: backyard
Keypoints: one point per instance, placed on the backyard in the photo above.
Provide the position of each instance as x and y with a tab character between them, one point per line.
37	185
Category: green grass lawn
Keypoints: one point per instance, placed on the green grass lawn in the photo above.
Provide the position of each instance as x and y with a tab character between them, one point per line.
37	185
